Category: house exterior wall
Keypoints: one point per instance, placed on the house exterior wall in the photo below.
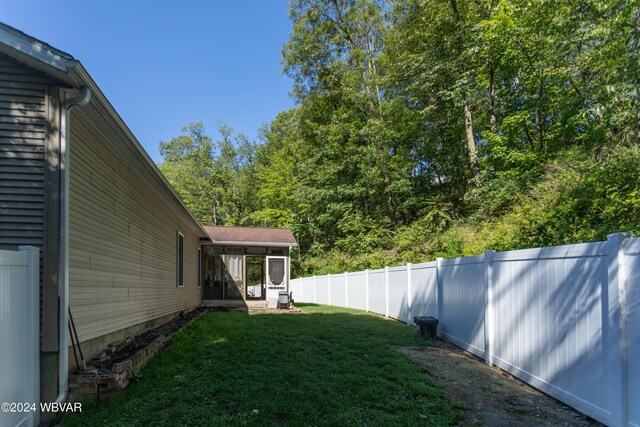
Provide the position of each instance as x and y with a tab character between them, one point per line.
29	179
123	218
29	182
122	242
23	126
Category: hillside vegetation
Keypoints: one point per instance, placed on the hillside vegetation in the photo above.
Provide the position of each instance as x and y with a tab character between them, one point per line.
428	128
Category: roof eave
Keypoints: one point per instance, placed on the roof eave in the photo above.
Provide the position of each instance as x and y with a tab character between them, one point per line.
35	53
64	68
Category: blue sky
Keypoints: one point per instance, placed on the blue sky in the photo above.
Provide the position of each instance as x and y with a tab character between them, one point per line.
163	64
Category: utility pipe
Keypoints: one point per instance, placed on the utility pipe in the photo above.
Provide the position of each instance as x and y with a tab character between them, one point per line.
63	250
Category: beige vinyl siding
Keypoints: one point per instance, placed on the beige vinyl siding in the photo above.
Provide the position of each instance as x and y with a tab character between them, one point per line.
122	241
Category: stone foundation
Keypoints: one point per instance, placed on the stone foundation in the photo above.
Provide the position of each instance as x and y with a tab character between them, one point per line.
94	347
89	385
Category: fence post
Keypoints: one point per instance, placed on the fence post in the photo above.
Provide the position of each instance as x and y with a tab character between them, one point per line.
617	330
409	298
33	326
329	287
315	301
439	293
366	289
386	291
488	308
346	293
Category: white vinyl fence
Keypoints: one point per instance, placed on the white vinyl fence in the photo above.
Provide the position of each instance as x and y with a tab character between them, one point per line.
564	319
19	336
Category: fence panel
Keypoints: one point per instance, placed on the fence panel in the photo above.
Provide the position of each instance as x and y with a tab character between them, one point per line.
357	291
294	288
463	301
306	290
549	323
19	334
302	289
322	290
377	302
338	295
632	255
563	319
423	290
398	293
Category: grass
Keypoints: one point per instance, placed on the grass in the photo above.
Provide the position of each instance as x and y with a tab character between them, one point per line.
328	366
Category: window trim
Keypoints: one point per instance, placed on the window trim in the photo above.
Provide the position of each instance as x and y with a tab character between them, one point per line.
179	260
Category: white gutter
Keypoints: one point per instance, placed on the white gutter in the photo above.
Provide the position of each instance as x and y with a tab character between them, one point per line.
63	251
247	243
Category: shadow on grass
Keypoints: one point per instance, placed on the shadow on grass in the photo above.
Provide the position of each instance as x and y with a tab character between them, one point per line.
327	366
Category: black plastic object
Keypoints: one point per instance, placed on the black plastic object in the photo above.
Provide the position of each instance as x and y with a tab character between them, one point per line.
427	327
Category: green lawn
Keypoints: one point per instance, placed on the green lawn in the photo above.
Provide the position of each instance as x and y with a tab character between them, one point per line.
328	366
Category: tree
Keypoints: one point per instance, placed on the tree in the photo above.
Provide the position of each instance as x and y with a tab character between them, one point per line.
415	110
189	167
215	179
359	148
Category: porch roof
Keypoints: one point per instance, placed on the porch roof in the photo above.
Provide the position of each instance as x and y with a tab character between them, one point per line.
251	236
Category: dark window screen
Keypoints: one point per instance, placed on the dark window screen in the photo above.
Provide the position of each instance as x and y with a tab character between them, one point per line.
179	260
276	271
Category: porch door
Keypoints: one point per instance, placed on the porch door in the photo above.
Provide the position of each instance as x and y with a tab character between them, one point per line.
276	275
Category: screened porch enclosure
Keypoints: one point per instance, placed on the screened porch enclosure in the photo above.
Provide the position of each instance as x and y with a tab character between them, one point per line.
244	273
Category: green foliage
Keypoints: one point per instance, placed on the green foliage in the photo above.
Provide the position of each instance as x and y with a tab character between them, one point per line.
576	199
375	165
336	262
213	178
362	235
189	167
597	200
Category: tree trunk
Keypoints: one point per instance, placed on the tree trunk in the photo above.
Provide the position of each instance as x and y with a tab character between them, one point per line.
542	145
492	100
471	141
468	118
454	9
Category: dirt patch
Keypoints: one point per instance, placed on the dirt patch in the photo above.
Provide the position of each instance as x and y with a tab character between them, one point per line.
491	396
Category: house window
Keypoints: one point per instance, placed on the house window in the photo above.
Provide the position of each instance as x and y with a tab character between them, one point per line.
198	268
179	260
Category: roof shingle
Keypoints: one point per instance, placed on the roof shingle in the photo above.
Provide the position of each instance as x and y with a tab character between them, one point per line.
253	235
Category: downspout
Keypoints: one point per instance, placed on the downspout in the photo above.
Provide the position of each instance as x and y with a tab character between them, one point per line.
63	251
